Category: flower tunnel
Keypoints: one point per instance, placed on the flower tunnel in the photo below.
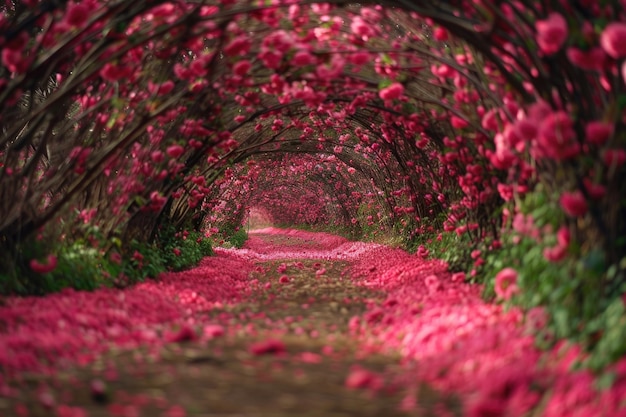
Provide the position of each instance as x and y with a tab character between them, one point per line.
494	129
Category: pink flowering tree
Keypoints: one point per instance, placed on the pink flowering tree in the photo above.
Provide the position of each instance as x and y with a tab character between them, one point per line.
500	124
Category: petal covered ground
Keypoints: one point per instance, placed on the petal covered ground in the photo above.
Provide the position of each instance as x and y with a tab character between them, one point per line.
301	297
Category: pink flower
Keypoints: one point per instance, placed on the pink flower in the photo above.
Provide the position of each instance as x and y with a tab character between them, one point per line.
284	279
506	283
433	284
573	204
422	252
362	29
310	357
242	68
176	251
176	411
174	151
185	334
613	40
238	46
551	33
563	236
161	89
555	254
614	158
269	346
359	58
458	277
458	123
44	268
556	138
595	191
303	58
77	14
506	191
362	378
597	132
112	72
156	156
392	92
15	60
440	34
592	60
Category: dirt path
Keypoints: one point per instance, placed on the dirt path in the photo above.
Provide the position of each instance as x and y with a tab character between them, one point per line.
273	339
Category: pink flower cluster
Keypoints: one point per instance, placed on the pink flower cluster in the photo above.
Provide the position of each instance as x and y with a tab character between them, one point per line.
40	334
478	350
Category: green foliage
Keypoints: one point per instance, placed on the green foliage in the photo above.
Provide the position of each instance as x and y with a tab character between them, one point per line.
83	267
574	291
238	238
448	246
181	250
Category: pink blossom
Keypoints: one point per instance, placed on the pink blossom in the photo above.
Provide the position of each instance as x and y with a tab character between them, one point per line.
563	236
303	58
176	411
44	268
363	378
573	203
77	14
506	191
458	123
422	252
440	34
614	158
241	68
556	137
238	46
592	60
433	283
359	58
394	91
506	283
613	40
310	357
458	277
174	151
15	60
113	72
269	346
161	89
555	254
595	191
362	29
184	334
551	33
598	132
284	279
156	156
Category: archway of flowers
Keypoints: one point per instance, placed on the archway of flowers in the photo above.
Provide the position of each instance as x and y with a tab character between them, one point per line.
496	126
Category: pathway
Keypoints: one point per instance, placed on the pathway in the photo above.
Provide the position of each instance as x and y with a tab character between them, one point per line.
296	323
